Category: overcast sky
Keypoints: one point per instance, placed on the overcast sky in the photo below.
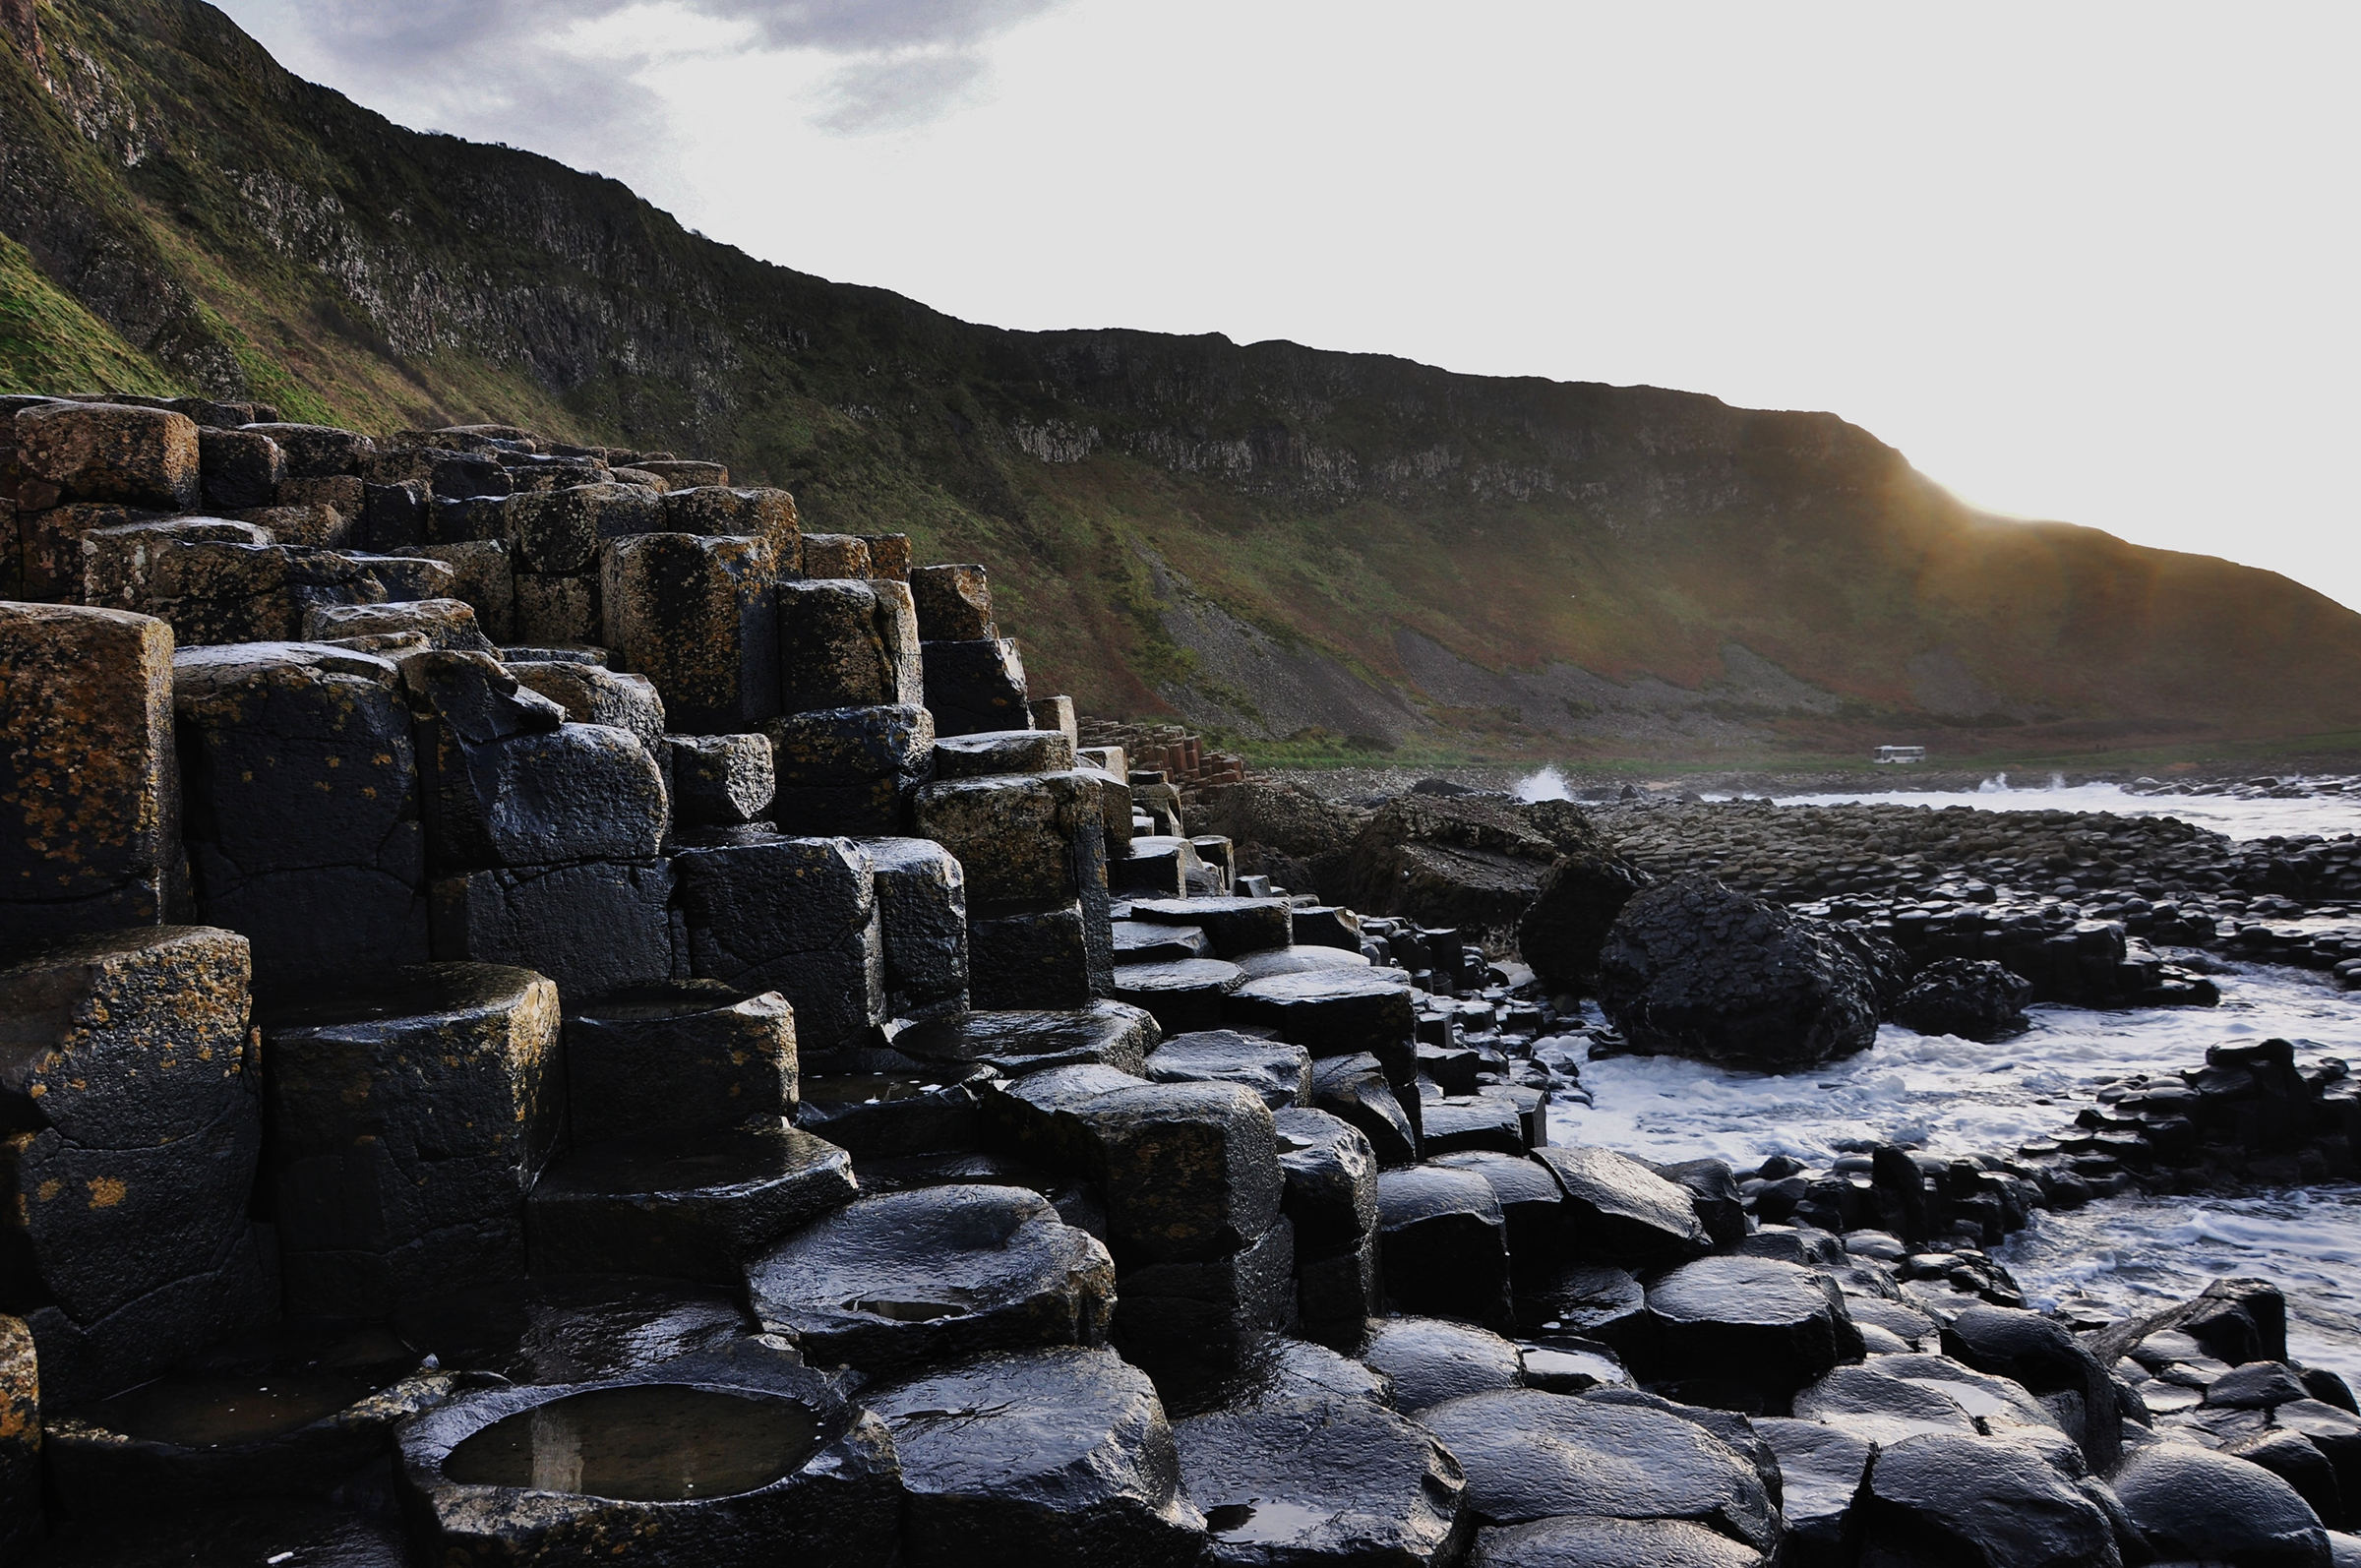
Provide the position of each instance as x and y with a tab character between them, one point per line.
2092	262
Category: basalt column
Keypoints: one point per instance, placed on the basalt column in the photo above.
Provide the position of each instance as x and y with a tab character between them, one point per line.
132	1133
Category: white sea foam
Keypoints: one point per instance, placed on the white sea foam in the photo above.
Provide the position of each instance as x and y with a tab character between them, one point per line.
1957	1097
1953	1095
1546	785
2230	814
2139	1254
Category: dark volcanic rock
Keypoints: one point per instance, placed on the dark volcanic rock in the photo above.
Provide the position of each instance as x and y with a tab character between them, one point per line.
1444	1242
1018	1042
724	1472
1580	1542
1184	993
1354	1090
1190	1171
1529	1455
1331	1177
1191	1317
682	1057
1760	1324
1940	1499
2051	1364
408	1118
1475	864
1279	1075
693	1208
1321	1480
1694	969
1564	930
1431	1360
910	1277
1820	1470
1050	1459
2198	1505
1617	1207
1975	999
798	916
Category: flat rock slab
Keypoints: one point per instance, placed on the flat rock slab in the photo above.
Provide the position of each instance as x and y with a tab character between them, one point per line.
1235	926
1879	1408
881	1116
1458	1124
1033	1117
573	1328
1755	1322
1279	1074
1314	1480
1529	1455
1595	1300
1023	1041
1053	1456
1431	1360
1954	1499
1579	1543
1334	1012
931	1274
1617	1208
1145	942
1184	993
1299	961
693	1208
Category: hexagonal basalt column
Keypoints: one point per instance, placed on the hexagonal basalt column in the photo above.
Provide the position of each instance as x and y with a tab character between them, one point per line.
409	1118
697	617
129	1160
798	916
302	805
88	790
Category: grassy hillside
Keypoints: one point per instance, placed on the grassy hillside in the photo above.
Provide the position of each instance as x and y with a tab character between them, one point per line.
1265	538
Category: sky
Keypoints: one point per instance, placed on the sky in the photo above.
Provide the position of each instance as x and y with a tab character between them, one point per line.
2091	262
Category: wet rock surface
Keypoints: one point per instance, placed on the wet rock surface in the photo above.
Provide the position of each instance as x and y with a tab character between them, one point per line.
1322	1479
919	1277
1056	1456
1531	1456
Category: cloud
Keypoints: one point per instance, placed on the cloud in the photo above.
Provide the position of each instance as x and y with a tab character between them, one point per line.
487	67
900	90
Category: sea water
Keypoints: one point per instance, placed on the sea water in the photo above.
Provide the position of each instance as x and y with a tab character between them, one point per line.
2234	817
1957	1096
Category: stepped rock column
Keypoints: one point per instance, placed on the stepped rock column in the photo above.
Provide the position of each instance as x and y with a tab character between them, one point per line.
89	794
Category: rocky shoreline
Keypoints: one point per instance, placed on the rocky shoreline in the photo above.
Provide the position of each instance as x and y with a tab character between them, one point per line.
707	1070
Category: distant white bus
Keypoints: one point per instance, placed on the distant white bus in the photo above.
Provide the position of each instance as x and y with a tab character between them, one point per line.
1900	754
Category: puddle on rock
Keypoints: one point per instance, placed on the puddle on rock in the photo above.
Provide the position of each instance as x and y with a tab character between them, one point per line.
655	1442
1257	1522
257	1386
865	1088
208	1411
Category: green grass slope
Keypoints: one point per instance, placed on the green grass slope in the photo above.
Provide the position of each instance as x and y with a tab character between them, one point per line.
182	213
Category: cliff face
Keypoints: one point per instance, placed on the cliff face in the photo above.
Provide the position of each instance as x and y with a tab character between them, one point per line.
1266	537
